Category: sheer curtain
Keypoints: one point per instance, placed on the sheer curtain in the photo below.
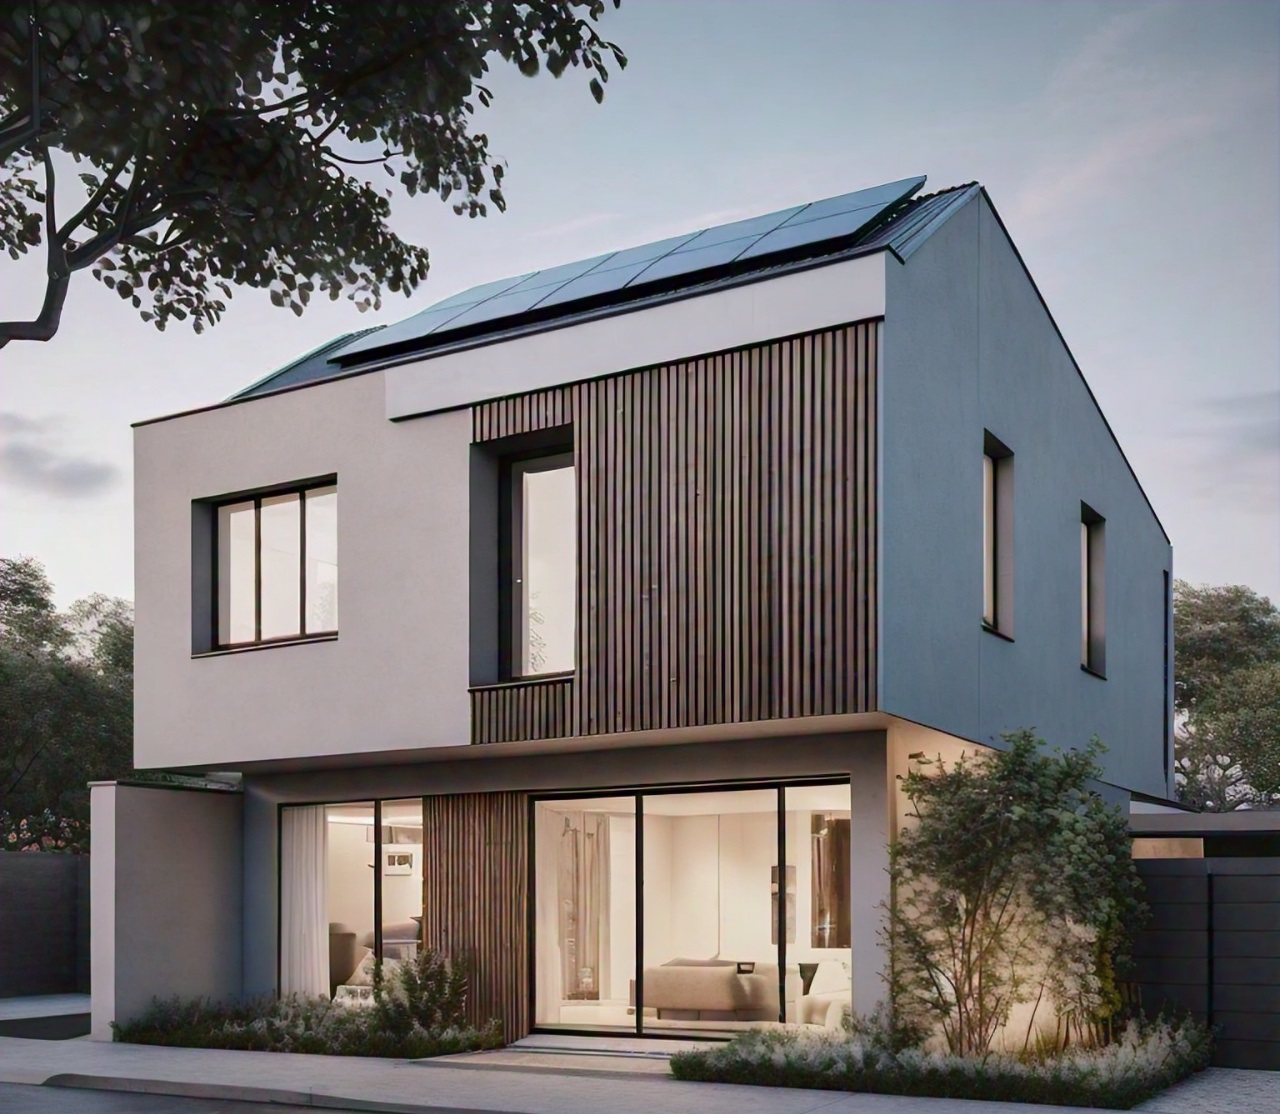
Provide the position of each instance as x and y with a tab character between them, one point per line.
304	901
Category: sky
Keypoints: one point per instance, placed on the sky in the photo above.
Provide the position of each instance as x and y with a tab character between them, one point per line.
1133	151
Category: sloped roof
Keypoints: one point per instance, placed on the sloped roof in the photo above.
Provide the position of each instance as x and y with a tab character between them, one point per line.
882	218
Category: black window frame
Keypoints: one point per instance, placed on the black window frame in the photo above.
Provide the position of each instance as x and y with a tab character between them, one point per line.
546	458
998	551
256	496
1093	586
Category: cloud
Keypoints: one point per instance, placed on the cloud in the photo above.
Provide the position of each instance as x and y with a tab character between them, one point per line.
31	458
1237	447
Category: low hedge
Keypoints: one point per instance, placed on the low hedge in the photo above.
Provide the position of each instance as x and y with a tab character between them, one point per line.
1147	1058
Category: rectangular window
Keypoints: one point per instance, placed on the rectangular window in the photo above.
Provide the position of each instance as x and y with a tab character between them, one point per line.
543	571
997	536
1092	591
276	559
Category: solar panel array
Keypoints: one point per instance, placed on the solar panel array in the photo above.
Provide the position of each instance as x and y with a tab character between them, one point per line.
788	230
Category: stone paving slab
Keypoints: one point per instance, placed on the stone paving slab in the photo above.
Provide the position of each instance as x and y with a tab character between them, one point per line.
419	1087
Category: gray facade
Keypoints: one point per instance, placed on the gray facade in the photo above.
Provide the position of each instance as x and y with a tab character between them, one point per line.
969	347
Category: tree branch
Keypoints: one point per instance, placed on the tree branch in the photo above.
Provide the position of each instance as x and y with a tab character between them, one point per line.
58	275
99	195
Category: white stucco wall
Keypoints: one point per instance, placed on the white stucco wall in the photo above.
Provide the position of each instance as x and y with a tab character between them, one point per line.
166	888
968	346
397	675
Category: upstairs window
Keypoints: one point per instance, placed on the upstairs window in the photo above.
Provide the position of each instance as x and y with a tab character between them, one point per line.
1093	628
997	537
543	570
276	566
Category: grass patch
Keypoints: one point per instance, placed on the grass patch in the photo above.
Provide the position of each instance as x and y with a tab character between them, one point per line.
419	1012
1147	1058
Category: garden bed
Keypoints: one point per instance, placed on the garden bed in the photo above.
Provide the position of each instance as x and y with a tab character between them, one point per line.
1147	1058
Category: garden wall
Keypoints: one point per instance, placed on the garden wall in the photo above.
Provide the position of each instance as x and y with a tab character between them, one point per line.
44	923
1213	947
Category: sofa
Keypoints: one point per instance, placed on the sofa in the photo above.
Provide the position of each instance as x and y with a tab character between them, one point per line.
714	990
828	995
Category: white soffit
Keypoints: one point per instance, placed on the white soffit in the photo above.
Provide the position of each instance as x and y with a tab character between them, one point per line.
799	302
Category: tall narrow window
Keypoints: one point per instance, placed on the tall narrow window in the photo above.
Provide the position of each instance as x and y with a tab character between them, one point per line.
1093	647
997	536
544	565
276	557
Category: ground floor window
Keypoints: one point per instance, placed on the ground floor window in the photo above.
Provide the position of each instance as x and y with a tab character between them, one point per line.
712	910
351	891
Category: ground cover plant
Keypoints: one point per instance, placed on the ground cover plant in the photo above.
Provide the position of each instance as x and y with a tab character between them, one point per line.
1143	1060
1013	888
418	1011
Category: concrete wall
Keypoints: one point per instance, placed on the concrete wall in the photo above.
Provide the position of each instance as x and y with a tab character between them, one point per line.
167	898
44	924
861	757
968	347
397	675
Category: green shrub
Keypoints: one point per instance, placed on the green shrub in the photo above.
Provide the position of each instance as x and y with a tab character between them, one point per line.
418	1012
1141	1062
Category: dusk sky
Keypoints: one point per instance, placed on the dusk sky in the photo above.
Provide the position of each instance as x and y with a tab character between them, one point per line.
1133	151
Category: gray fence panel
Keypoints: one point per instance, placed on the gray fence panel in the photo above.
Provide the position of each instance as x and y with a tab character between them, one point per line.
41	938
1212	947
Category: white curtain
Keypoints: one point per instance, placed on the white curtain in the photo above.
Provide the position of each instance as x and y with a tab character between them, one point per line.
304	901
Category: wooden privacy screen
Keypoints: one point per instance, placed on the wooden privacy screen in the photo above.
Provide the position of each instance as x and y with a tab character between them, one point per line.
475	884
726	535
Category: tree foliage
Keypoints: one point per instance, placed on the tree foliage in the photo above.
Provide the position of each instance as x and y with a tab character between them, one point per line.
233	143
1015	884
66	707
1227	694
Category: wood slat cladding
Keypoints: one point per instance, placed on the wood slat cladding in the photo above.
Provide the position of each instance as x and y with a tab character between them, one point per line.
475	891
726	532
530	710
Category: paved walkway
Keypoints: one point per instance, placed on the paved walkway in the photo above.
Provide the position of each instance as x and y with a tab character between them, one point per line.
43	1005
529	1081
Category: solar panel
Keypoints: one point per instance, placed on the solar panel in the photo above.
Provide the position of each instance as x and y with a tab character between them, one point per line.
492	309
739	229
411	328
834	218
835	227
692	259
480	293
592	285
558	276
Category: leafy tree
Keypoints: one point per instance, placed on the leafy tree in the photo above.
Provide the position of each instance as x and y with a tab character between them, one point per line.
1014	884
231	143
66	707
1227	694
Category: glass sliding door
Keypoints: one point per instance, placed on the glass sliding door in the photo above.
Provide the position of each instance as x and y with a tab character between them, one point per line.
584	857
712	913
819	849
741	916
400	927
350	875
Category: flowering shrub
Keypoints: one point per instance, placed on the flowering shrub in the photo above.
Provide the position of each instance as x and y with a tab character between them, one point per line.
419	1013
1144	1059
43	832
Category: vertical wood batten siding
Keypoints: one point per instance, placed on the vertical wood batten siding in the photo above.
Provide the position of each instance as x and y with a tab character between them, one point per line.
475	883
726	533
531	710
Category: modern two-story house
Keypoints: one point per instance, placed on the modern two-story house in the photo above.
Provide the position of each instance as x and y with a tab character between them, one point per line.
581	623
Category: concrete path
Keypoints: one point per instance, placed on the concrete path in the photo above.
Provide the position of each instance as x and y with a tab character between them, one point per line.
531	1081
43	1005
